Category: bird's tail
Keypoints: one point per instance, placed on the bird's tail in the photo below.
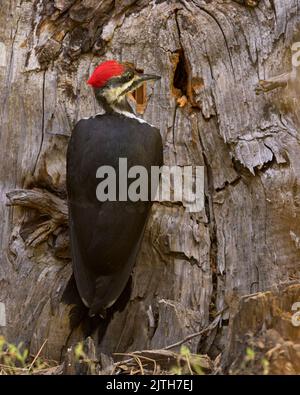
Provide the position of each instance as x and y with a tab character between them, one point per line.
109	288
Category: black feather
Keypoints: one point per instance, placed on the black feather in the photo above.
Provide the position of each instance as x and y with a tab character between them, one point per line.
105	236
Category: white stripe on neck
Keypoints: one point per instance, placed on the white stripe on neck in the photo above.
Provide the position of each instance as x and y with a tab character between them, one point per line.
130	115
126	114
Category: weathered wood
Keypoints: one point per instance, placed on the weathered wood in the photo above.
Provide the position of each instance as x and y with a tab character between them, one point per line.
211	56
262	322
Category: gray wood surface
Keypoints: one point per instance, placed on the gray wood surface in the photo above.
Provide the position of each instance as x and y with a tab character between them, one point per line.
190	266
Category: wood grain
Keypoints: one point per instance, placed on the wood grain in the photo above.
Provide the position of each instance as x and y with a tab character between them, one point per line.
190	265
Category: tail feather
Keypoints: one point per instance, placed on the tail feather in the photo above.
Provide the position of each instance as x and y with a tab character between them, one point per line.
109	288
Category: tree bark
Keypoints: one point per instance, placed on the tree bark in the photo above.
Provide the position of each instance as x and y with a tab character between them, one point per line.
211	56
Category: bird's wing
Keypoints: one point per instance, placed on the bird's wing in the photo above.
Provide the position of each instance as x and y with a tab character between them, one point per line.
85	283
105	237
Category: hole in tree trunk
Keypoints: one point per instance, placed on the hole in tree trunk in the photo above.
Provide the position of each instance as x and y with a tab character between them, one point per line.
180	81
139	96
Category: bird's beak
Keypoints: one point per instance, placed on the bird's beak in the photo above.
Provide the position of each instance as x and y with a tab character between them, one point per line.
139	80
148	77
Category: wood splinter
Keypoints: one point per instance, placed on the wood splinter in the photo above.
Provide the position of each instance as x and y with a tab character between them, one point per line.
279	81
47	204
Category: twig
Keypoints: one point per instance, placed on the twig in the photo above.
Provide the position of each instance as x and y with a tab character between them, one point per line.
13	368
140	357
138	361
187	359
211	326
37	355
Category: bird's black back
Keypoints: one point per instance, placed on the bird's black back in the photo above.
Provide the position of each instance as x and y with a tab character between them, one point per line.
105	236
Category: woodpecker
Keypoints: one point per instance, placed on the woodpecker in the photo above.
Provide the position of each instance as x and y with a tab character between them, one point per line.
105	235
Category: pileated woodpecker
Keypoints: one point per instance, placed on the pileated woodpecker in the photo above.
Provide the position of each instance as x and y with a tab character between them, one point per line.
105	235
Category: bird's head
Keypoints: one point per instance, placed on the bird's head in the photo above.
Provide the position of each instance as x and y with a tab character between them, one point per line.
112	81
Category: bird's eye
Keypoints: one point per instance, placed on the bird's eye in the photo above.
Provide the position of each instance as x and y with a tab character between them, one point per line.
128	75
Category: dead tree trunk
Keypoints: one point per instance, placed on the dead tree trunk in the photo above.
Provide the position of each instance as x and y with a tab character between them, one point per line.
211	56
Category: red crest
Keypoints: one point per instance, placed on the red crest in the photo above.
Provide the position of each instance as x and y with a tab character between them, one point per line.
104	72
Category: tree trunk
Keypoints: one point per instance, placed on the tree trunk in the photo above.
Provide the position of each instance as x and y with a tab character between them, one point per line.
211	56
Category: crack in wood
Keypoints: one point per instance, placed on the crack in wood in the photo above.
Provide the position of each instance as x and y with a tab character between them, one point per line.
43	123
